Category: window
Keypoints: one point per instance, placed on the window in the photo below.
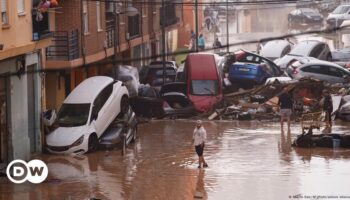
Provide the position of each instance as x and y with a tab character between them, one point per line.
102	98
134	26
98	16
71	115
20	6
317	50
316	69
85	17
4	14
336	72
204	87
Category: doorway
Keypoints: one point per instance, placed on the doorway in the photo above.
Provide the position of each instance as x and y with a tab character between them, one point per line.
3	119
31	108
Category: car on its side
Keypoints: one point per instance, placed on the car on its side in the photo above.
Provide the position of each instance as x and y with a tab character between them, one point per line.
341	13
86	113
275	49
318	69
307	48
305	16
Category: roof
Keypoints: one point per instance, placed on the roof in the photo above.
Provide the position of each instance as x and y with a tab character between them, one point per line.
303	48
274	48
309	61
87	90
201	66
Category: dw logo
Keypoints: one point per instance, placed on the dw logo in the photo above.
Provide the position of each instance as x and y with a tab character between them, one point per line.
35	171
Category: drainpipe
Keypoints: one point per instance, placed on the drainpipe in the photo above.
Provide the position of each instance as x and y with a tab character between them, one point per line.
82	34
163	39
115	69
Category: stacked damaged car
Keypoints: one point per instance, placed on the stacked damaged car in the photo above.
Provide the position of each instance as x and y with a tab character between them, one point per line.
95	114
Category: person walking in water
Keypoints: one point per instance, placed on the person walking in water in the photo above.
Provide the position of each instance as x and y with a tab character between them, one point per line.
285	103
199	138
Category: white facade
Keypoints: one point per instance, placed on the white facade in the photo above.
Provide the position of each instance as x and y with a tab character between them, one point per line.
23	107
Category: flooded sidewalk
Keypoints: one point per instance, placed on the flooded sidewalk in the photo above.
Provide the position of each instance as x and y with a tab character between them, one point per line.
247	160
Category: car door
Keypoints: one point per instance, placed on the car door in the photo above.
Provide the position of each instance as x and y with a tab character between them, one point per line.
336	75
101	111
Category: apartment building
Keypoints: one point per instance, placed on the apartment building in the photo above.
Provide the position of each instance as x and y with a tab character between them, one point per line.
24	33
92	37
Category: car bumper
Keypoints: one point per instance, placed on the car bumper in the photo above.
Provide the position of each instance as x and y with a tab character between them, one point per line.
82	148
246	78
334	22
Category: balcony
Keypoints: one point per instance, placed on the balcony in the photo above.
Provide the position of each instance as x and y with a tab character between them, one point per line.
65	46
40	26
170	15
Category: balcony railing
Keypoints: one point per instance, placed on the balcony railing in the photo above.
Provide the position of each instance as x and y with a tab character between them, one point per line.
65	46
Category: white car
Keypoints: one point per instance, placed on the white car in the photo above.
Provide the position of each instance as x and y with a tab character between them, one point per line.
318	69
309	48
275	49
86	113
341	13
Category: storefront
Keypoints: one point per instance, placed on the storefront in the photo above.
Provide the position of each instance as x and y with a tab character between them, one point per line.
20	107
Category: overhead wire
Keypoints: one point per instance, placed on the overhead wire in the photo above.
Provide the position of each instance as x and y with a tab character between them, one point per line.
254	41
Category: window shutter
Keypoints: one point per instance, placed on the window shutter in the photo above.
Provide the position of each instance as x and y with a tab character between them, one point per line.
20	6
3	5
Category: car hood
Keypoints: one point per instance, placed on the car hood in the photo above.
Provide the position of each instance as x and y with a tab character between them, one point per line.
314	15
283	62
204	103
65	136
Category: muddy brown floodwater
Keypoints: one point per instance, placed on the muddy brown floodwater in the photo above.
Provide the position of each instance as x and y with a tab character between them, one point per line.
247	160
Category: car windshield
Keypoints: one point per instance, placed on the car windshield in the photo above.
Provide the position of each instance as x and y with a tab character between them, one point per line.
73	115
204	87
341	10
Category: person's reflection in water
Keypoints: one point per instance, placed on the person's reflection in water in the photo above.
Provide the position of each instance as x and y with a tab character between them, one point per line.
200	192
285	145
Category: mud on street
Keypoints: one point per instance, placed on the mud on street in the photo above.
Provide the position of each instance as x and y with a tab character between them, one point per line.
247	160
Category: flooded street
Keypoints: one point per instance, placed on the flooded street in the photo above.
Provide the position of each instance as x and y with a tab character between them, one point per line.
247	160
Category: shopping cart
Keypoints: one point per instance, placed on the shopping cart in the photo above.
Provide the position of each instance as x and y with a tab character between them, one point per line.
311	121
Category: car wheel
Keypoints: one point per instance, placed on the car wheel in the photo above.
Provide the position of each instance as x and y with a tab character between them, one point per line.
124	105
124	146
93	143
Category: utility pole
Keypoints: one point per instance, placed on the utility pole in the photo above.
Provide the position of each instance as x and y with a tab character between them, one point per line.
196	22
163	39
227	31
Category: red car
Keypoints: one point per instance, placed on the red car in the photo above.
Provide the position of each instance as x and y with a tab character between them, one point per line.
203	80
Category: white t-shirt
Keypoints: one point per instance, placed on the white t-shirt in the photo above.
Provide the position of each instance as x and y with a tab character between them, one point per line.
199	135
